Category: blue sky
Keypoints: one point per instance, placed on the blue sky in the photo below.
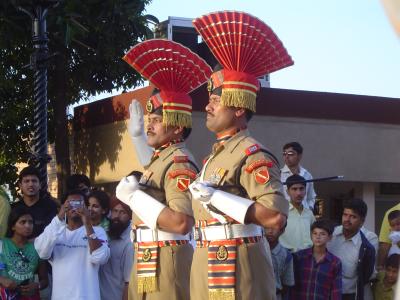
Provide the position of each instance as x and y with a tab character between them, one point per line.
344	46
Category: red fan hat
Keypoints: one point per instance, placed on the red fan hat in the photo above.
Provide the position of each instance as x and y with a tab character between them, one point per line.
175	71
246	48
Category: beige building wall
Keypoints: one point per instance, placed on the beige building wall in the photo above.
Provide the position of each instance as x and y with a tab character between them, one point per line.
366	154
360	151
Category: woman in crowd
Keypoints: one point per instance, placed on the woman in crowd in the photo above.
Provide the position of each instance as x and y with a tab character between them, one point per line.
19	261
98	203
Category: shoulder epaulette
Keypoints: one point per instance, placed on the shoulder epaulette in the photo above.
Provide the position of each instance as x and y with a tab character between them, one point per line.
181	159
188	172
252	149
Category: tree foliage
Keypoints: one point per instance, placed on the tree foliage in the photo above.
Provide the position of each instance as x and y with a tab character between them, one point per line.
88	39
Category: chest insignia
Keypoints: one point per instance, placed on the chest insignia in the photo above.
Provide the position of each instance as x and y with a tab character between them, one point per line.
218	176
146	177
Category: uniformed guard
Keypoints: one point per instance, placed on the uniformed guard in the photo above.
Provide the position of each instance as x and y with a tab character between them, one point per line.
239	190
161	201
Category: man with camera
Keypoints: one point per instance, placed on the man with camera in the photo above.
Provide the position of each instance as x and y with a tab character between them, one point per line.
73	246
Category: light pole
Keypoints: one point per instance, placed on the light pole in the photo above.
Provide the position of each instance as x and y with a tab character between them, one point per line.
37	10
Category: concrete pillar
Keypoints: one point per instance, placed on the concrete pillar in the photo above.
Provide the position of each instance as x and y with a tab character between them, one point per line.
368	195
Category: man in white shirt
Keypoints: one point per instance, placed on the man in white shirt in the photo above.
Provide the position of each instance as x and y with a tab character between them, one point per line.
356	253
297	233
292	154
75	249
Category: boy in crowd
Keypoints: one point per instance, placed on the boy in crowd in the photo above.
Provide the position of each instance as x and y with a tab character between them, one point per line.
385	285
317	272
282	261
394	236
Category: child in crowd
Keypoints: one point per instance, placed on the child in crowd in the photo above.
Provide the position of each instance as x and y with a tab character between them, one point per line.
394	236
384	286
317	272
282	261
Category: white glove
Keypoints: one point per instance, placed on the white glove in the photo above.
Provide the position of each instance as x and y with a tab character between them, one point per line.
201	191
138	136
125	188
136	121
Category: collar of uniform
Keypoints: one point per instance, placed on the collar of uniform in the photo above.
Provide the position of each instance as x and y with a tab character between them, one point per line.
235	140
355	239
166	153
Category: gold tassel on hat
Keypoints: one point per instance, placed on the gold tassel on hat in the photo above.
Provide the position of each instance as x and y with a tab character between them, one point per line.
177	118
239	98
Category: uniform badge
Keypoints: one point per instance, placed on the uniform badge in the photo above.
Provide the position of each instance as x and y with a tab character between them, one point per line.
252	149
222	253
210	85
146	255
217	177
149	106
261	176
145	177
257	164
182	183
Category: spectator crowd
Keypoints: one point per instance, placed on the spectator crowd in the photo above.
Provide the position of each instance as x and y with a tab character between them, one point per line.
86	243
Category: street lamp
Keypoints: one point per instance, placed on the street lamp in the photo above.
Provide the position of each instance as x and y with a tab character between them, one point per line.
37	10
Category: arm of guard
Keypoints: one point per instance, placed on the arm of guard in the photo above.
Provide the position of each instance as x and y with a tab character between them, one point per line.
178	216
260	177
143	151
137	134
175	222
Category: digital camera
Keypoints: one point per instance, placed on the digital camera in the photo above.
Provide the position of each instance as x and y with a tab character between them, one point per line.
75	204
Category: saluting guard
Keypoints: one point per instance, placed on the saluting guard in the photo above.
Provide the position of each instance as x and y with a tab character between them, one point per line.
161	201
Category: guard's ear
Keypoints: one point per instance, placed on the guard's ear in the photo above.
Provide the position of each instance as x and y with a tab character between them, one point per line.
178	130
240	112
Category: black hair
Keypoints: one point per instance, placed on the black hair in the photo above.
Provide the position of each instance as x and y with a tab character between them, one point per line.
15	214
74	180
295	179
248	114
393	261
102	198
186	132
394	214
72	192
324	224
295	145
136	174
29	170
358	206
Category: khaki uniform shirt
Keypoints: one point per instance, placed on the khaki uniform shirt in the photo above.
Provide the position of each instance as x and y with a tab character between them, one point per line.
260	179
172	189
